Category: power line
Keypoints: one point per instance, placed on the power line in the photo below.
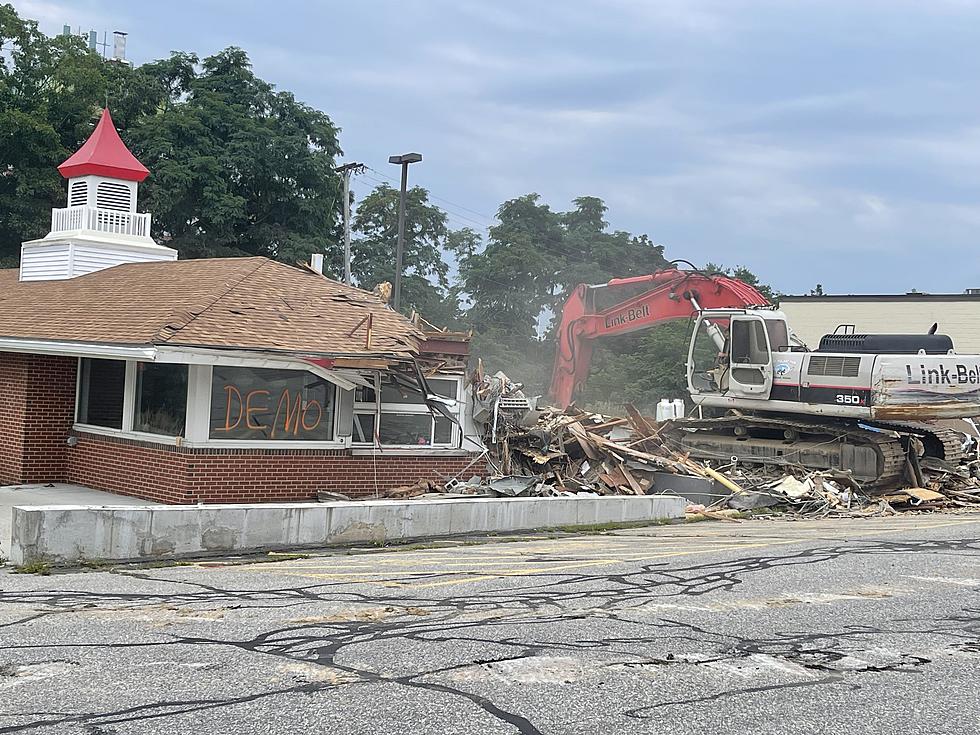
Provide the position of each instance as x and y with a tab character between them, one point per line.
481	224
442	199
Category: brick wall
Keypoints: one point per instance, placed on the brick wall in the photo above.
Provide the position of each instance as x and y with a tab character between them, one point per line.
170	474
37	407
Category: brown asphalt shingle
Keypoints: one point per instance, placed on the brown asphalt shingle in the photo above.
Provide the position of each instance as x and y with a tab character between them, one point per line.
247	303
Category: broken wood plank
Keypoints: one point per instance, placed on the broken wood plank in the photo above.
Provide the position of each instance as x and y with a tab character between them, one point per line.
578	431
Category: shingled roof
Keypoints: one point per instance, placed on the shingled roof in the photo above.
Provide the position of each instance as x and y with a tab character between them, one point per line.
244	303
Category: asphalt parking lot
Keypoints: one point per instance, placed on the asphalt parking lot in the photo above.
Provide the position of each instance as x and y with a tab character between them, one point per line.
846	626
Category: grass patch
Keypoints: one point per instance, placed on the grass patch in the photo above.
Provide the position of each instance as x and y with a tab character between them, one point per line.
613	526
94	564
42	568
164	563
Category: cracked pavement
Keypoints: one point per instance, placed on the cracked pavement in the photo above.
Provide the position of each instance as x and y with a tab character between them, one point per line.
856	626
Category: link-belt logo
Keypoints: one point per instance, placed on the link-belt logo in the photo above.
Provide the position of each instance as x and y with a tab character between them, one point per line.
630	315
941	375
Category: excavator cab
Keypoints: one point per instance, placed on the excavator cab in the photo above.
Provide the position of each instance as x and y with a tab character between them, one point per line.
730	354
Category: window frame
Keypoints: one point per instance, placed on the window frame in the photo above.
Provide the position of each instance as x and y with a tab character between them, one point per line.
198	415
127	403
377	408
204	424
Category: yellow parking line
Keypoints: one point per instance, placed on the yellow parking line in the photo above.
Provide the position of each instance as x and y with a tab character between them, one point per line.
442	563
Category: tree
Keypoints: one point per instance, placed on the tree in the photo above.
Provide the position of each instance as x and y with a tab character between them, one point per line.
237	168
425	277
47	89
534	257
513	279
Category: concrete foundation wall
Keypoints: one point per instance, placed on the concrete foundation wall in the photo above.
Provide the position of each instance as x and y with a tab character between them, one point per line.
68	534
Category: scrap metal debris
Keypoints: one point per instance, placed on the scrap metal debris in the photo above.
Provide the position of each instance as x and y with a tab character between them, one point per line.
548	452
542	451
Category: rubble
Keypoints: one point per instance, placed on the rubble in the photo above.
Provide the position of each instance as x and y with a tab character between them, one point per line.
547	452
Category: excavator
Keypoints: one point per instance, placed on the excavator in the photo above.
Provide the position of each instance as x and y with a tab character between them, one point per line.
862	404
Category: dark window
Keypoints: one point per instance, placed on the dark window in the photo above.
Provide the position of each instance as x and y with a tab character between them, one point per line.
392	392
749	342
100	396
267	403
161	398
405	419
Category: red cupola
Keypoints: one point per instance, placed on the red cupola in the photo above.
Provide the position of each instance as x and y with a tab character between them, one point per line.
104	154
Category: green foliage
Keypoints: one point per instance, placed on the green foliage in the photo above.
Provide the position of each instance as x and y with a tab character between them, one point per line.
47	88
38	566
534	257
640	368
425	276
237	168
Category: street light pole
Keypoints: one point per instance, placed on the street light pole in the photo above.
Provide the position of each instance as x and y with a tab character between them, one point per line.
403	160
346	170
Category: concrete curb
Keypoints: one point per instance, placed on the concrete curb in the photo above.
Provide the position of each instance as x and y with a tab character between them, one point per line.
68	534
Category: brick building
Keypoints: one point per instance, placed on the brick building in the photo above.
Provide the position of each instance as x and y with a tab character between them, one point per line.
217	380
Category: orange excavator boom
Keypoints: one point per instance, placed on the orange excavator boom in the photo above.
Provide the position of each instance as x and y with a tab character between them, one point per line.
668	295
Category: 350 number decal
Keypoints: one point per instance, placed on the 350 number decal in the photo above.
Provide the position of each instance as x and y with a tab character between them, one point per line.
849	399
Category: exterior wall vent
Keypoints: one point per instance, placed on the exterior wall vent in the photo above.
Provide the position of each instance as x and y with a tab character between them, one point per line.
78	193
834	365
114	195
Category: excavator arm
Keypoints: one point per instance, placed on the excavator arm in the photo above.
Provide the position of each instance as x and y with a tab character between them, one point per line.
667	296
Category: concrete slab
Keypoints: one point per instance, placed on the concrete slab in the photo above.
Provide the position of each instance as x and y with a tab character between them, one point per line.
51	494
68	534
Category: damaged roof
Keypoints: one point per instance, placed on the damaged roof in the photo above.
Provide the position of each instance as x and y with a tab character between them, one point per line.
234	303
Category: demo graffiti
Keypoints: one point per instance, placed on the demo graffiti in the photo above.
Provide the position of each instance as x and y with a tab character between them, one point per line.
253	409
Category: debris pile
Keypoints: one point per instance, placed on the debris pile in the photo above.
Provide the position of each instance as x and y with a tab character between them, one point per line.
550	452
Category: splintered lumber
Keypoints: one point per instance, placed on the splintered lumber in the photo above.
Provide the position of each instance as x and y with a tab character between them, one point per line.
634	485
640	424
607	425
578	431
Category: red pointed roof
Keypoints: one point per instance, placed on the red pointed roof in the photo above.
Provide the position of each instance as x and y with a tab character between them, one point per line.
104	154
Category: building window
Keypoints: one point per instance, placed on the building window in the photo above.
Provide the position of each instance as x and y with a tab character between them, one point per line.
400	417
161	398
101	387
270	404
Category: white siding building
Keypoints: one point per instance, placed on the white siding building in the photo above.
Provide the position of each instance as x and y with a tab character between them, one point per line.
957	315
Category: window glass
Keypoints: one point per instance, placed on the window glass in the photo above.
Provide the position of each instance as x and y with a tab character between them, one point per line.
100	396
161	398
363	428
406	428
749	342
267	403
392	392
443	431
778	336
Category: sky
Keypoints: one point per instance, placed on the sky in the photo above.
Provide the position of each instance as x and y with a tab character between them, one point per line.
827	141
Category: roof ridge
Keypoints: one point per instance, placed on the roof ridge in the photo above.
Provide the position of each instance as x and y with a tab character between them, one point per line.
227	291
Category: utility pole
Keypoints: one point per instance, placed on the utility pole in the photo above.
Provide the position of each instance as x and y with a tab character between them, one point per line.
403	160
346	170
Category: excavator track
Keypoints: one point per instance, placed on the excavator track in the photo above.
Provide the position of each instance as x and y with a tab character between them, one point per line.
937	441
874	459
